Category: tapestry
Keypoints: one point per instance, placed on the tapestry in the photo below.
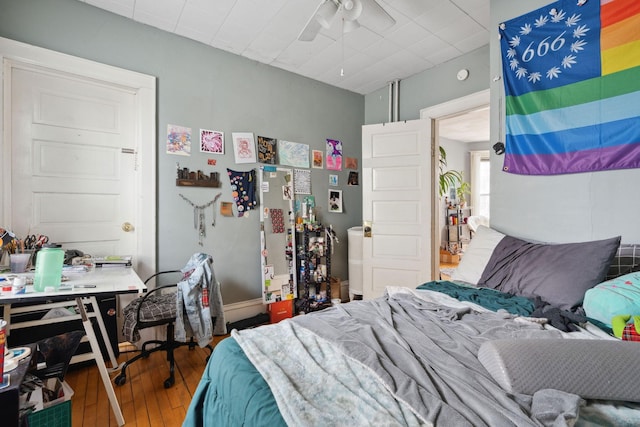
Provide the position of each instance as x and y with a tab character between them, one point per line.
571	73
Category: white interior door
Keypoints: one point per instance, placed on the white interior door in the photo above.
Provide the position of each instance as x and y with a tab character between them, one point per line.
72	161
78	153
397	192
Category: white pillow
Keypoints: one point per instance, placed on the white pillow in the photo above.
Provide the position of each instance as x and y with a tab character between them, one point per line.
477	255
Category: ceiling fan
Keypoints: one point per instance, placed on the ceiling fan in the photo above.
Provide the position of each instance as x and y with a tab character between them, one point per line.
353	13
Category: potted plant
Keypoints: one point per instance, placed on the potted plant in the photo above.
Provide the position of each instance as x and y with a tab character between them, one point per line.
463	189
447	178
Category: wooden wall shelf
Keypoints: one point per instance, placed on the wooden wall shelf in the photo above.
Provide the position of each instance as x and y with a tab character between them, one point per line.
197	183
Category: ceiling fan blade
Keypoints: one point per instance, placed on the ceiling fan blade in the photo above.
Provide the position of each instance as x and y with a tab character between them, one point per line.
326	12
374	17
322	17
310	31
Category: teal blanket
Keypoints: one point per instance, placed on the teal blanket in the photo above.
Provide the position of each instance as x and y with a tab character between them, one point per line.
485	297
232	392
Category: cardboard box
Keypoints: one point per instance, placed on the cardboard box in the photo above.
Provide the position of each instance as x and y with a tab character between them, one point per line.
335	288
448	257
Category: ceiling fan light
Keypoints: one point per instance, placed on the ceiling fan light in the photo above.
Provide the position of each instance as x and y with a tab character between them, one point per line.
326	12
352	9
348	26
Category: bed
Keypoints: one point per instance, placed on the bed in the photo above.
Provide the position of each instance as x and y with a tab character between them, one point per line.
466	352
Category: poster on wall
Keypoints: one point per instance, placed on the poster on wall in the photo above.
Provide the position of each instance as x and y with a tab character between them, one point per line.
211	141
293	154
244	147
567	69
267	150
334	155
335	201
178	140
353	178
302	181
351	163
318	159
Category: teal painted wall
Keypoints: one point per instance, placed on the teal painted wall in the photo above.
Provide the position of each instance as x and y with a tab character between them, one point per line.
431	87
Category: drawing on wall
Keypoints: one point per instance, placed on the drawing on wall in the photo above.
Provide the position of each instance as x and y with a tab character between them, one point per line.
287	192
211	141
333	180
318	159
267	150
293	154
244	147
178	140
334	155
335	201
302	181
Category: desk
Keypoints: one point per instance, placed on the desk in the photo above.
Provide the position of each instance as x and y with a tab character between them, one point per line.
81	289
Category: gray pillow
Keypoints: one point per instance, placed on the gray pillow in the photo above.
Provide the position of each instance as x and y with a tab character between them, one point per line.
560	274
592	369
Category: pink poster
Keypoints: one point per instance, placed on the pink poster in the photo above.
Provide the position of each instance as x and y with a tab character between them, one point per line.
334	155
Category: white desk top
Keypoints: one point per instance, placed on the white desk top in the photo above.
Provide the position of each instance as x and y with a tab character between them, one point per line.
116	280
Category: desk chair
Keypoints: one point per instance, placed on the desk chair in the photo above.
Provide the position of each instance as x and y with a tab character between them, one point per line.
162	305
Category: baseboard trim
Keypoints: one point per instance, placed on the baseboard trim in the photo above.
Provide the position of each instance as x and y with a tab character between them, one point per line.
243	310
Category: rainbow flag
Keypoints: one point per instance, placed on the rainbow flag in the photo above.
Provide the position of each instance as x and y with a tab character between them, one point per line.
571	73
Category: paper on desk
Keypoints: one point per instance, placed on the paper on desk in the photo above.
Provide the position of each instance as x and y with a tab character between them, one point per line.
58	312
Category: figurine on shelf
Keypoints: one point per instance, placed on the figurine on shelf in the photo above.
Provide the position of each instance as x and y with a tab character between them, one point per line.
198	179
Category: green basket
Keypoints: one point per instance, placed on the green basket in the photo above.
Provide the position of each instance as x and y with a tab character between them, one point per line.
58	415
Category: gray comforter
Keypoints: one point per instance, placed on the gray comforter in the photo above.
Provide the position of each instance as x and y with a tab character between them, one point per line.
396	360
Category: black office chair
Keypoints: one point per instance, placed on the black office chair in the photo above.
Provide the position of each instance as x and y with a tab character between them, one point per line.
159	307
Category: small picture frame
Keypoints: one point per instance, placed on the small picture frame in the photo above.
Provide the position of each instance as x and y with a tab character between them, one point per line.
335	201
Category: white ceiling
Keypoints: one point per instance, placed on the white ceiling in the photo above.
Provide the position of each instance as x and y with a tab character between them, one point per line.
426	33
472	126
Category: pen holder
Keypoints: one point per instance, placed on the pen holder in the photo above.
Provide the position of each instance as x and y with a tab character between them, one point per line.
48	269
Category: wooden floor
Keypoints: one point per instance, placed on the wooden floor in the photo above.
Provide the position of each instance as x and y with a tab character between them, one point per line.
143	399
446	265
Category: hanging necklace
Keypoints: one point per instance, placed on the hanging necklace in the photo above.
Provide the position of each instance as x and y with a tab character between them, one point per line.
198	216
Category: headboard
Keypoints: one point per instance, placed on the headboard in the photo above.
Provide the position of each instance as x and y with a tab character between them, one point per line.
626	260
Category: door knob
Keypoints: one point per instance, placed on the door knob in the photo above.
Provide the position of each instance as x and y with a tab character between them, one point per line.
127	227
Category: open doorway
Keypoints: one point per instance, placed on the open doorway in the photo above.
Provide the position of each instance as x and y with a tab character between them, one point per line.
461	128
